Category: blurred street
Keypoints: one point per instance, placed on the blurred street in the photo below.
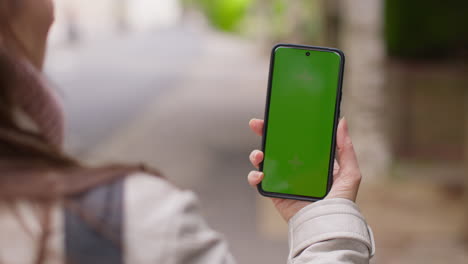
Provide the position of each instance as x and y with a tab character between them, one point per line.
178	94
115	88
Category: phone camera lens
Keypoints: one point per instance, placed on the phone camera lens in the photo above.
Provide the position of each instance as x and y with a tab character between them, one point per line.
307	53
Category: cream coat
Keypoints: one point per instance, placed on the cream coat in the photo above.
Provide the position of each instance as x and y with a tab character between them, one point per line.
163	225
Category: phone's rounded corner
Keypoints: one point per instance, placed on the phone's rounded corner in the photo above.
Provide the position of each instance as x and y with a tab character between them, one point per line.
318	198
278	46
264	193
339	53
261	190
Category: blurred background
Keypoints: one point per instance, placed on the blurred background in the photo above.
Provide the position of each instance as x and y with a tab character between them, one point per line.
174	83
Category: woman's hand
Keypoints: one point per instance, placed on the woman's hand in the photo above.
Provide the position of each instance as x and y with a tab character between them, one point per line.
346	173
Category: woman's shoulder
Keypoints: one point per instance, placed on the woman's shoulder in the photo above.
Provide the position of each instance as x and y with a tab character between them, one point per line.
157	216
143	186
147	195
148	184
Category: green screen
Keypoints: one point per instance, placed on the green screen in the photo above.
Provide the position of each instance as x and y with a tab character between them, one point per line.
299	130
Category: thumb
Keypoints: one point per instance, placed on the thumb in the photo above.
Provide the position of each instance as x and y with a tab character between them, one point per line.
346	154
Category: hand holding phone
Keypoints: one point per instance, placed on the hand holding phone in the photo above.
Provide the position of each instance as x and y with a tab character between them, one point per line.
346	172
301	117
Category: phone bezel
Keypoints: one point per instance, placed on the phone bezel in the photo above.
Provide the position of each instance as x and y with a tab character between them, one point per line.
335	123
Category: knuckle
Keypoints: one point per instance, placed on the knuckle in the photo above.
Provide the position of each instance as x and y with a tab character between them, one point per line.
352	177
356	178
252	155
252	175
348	144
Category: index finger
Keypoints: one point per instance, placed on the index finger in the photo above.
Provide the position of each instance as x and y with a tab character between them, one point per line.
257	126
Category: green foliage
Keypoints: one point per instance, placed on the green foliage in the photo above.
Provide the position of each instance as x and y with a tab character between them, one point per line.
425	28
283	20
279	17
300	21
225	15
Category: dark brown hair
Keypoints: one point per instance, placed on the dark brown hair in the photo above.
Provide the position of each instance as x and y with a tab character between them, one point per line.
23	150
31	168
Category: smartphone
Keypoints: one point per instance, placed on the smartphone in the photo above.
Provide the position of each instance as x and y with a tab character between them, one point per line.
301	117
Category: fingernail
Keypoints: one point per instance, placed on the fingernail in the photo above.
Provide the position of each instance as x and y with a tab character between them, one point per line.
258	174
345	124
255	154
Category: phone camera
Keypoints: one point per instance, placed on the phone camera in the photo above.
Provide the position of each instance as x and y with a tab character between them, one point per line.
307	53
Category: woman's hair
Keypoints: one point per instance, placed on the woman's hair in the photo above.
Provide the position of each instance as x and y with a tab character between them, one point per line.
31	167
25	154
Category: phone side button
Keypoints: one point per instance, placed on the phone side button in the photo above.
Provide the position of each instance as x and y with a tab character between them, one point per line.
339	109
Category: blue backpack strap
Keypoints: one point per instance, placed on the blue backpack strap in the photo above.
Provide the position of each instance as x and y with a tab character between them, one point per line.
93	226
